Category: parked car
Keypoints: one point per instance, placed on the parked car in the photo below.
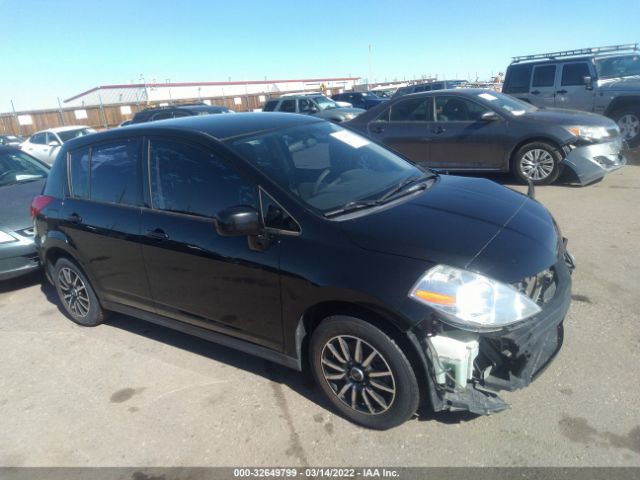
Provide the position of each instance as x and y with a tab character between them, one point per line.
10	140
21	179
176	111
364	100
316	105
315	94
482	130
603	80
427	87
296	240
45	144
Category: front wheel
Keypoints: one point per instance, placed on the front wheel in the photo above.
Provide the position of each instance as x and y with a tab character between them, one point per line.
537	162
628	120
363	373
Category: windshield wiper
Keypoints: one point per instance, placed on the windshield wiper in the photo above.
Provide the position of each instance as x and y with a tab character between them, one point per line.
351	206
401	186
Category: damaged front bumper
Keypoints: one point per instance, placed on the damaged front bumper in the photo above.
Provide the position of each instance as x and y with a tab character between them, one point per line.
592	162
509	359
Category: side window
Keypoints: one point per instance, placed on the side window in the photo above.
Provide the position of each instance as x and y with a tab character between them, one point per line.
190	179
275	216
79	173
518	79
181	113
288	106
307	106
51	137
38	138
413	110
544	76
573	73
270	106
457	109
115	172
162	116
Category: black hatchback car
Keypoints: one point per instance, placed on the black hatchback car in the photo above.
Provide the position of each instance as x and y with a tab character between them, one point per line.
481	130
296	240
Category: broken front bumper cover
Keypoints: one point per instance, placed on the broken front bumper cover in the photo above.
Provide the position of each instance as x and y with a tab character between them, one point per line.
511	358
593	161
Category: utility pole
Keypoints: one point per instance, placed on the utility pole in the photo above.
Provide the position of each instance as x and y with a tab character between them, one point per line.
60	111
15	116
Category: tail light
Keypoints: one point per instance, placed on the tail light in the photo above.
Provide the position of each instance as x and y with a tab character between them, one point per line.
38	203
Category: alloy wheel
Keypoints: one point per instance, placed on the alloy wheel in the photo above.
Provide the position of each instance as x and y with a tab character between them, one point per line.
629	126
74	292
537	164
358	374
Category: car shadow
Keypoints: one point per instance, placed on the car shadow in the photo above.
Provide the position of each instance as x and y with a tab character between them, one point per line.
300	382
21	282
567	179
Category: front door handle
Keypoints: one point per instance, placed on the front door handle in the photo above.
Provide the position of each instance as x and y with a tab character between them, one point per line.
562	92
535	92
378	129
157	234
75	219
438	130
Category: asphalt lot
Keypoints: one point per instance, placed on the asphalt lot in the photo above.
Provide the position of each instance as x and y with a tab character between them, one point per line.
129	393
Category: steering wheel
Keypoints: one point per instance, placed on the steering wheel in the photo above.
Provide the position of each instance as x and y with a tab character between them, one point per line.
323	175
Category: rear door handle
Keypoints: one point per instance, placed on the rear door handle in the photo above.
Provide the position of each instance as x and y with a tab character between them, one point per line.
535	92
75	219
561	92
438	130
157	234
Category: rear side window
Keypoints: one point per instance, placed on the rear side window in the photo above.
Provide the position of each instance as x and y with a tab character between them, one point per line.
413	110
544	76
288	106
573	73
115	173
79	173
190	179
270	106
518	79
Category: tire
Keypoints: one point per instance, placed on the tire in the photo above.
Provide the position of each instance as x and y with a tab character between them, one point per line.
76	294
538	162
628	119
376	386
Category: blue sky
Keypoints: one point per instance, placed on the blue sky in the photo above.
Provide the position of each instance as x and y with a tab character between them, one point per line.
54	49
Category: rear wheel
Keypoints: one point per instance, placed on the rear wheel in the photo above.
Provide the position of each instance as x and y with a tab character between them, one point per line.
363	373
537	162
628	119
76	294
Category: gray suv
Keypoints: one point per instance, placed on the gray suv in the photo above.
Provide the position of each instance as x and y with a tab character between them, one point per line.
603	80
316	105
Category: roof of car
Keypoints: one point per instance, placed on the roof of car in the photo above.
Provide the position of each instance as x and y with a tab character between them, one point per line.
220	127
63	129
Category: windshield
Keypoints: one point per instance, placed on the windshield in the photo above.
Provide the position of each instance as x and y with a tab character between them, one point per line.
507	103
324	102
70	134
324	165
18	167
614	67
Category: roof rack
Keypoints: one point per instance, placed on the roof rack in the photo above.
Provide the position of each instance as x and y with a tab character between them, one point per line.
580	51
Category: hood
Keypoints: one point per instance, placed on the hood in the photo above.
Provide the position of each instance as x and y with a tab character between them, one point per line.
622	84
15	202
561	116
466	223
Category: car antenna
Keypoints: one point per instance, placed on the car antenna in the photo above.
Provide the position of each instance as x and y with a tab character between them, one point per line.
531	191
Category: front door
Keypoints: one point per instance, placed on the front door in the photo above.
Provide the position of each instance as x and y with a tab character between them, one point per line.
461	140
403	127
196	275
572	92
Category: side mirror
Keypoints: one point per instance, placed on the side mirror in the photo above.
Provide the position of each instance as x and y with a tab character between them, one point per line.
54	143
489	117
238	221
588	82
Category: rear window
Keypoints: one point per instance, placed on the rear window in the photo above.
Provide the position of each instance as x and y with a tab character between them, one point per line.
270	106
517	79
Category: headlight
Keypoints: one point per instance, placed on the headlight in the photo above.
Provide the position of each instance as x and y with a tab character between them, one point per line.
349	116
6	238
470	300
589	133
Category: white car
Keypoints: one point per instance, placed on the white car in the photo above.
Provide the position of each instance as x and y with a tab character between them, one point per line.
44	145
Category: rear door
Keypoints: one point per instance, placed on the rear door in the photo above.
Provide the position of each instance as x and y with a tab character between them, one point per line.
543	85
461	140
196	275
404	127
572	91
102	219
518	81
